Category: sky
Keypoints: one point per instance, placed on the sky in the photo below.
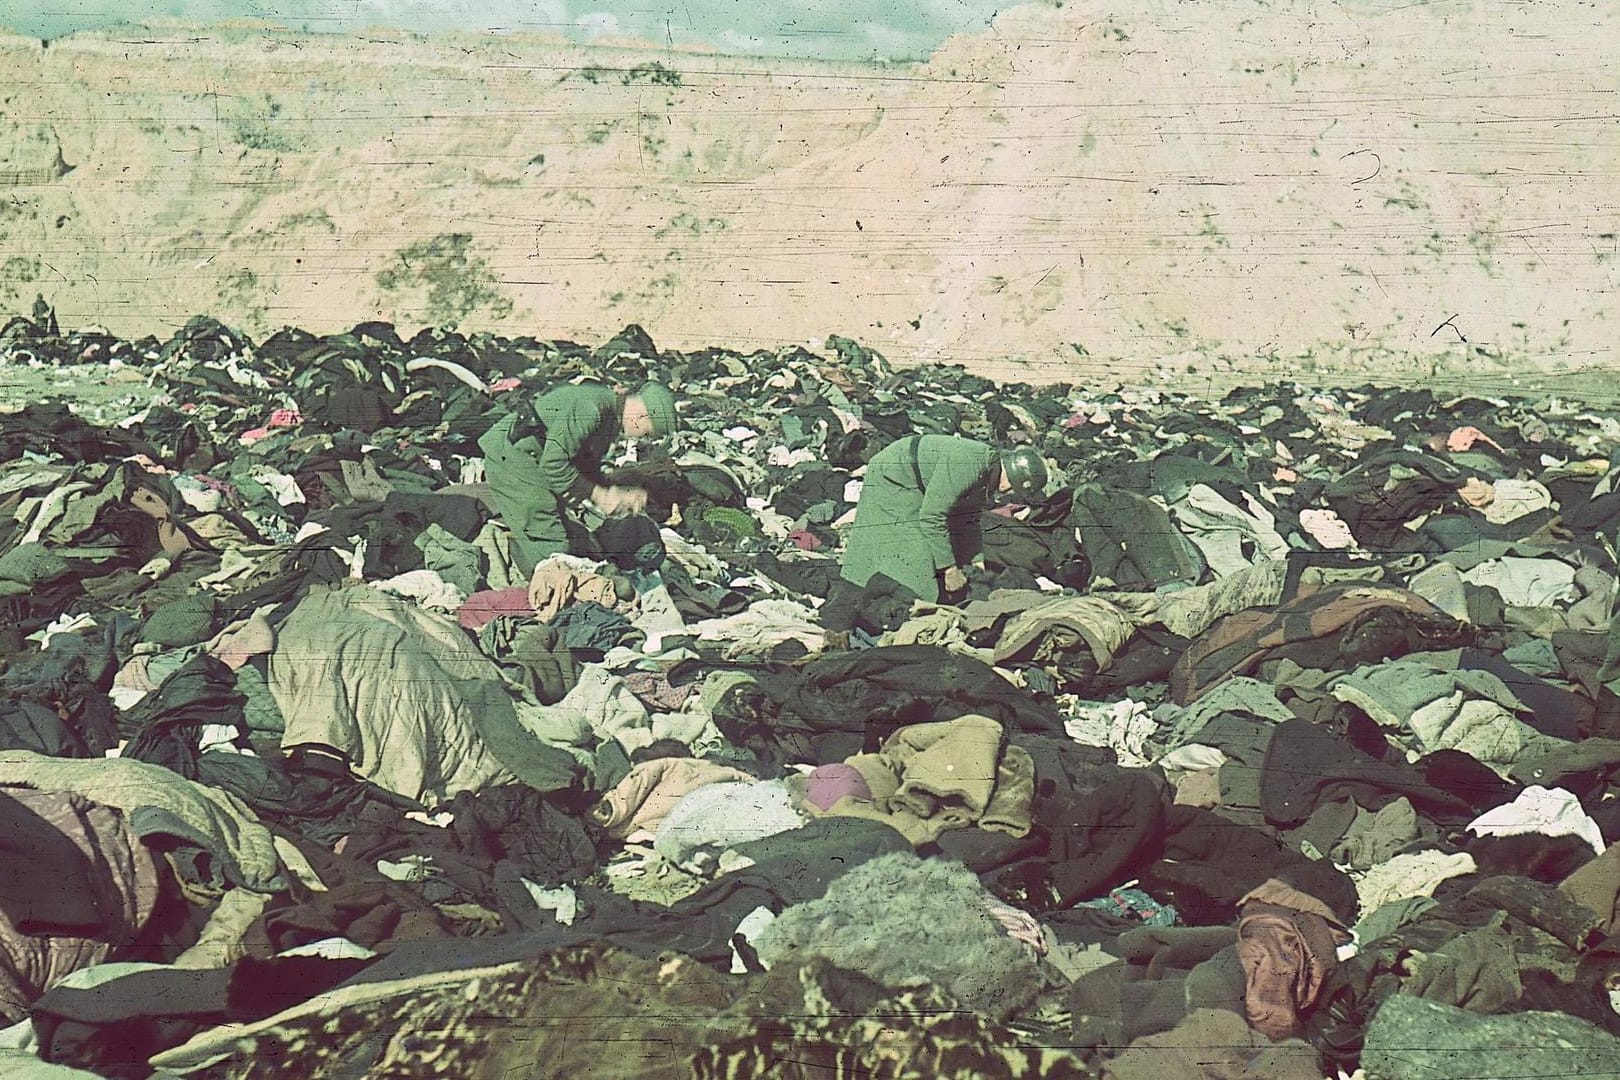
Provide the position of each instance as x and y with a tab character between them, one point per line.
828	29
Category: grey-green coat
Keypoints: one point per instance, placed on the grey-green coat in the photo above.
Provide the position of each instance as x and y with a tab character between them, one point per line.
913	523
531	477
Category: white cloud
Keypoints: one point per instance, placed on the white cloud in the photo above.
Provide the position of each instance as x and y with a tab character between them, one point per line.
735	39
599	23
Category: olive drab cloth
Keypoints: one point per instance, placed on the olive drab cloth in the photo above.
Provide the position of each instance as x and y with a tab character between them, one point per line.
532	468
919	510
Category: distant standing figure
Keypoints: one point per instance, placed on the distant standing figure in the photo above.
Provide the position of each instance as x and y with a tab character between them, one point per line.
918	516
549	453
45	317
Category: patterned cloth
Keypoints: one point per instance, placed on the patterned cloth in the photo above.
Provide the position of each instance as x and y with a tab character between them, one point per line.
669	1016
1136	905
655	692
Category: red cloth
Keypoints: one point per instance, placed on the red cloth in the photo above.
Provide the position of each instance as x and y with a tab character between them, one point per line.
483	607
1286	956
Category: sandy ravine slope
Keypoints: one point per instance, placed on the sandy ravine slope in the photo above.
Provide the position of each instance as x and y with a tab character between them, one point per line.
1087	190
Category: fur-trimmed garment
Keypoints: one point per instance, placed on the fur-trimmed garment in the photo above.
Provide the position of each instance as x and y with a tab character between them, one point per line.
905	921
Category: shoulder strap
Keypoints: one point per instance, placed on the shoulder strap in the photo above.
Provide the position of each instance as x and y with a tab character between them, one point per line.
916	465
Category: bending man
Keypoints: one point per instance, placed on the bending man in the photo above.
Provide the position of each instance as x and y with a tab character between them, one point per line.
543	456
918	516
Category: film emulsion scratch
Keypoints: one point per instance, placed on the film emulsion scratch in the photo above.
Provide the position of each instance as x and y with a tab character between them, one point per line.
549	539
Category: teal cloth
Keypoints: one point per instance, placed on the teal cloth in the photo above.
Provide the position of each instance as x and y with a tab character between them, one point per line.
186	621
26	567
455	560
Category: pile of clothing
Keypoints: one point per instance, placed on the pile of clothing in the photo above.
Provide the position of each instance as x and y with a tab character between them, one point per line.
1278	736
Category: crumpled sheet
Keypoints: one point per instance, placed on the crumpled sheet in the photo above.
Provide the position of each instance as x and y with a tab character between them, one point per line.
946	627
722	815
1547	812
1439	709
1327	529
216	819
1526	582
1220	529
1411	874
642	800
425	587
1513	499
1122	726
763	626
403	693
1058	625
1484	730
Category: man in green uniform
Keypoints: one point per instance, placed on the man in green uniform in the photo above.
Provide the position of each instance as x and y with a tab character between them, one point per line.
540	458
918	516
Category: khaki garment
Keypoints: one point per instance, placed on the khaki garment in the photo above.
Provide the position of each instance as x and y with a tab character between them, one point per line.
931	778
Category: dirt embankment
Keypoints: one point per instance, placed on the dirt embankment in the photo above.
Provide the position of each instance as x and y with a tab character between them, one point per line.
1219	191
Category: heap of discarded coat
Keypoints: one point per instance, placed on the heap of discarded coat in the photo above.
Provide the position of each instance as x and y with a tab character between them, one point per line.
1276	739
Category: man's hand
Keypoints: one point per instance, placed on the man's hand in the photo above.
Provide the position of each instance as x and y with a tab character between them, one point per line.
955	579
632	500
614	501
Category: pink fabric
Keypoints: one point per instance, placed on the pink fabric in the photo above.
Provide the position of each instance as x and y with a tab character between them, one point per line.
826	784
1287	953
1099	417
279	418
1464	438
805	540
224	487
1021	926
150	466
241	641
482	607
653	690
126	887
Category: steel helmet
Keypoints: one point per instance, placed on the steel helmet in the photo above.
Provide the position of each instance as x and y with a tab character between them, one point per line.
660	402
1025	471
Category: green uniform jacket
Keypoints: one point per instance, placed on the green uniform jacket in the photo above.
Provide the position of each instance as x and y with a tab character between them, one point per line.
530	477
912	523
